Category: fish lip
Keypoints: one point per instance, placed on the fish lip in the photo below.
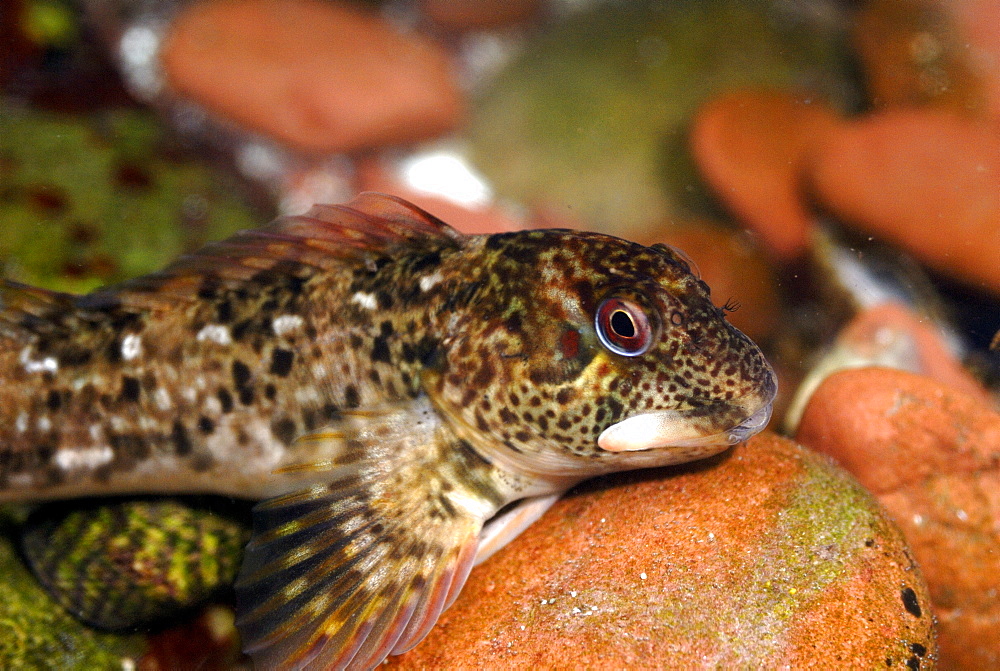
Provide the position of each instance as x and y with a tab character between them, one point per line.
670	429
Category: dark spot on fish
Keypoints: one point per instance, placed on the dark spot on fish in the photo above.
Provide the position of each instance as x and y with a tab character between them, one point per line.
129	448
910	602
913	663
246	395
918	649
73	355
225	400
241	374
179	437
565	395
484	375
284	429
224	311
281	361
270	391
355	341
130	389
522	436
384	299
507	417
426	261
614	407
351	397
53	400
202	462
113	352
380	350
331	412
206	425
240	329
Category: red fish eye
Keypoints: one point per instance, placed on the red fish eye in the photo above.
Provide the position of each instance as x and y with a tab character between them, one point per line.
623	327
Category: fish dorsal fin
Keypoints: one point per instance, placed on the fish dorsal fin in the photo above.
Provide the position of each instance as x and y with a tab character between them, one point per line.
20	304
344	573
370	225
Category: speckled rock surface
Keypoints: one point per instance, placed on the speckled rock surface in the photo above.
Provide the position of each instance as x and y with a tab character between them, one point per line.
763	557
320	76
35	633
931	454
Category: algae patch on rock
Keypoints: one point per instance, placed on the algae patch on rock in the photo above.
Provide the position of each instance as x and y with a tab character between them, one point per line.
35	633
764	557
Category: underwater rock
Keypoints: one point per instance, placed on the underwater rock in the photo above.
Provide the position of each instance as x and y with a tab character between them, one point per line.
35	633
887	335
937	191
479	14
122	564
592	116
87	201
931	455
752	146
765	556
320	76
914	53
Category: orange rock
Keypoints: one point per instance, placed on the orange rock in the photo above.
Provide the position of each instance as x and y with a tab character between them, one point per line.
478	14
914	53
320	76
926	180
931	454
764	557
751	147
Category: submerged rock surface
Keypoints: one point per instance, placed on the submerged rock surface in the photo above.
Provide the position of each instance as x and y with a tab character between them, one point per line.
765	556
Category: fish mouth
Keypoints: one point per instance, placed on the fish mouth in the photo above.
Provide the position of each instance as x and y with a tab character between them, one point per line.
676	429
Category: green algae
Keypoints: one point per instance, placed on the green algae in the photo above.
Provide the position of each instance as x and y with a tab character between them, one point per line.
86	201
35	633
122	564
592	116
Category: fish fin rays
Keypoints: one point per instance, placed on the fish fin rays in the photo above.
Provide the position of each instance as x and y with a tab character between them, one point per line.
350	570
510	522
363	228
20	304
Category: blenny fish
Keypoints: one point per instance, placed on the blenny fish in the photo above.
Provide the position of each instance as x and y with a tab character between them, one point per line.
402	398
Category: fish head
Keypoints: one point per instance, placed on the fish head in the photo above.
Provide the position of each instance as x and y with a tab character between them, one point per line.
584	351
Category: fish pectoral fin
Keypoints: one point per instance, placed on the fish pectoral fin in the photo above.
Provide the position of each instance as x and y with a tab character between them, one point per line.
510	522
344	573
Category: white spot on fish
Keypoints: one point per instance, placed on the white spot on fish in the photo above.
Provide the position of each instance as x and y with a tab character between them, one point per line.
48	364
213	406
131	346
284	324
365	300
215	333
21	423
162	399
83	457
428	282
44	424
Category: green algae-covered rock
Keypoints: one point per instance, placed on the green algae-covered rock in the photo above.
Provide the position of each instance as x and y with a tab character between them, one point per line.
35	633
591	117
765	557
85	201
122	564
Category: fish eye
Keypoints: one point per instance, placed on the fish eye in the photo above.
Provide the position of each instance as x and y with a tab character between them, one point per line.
623	327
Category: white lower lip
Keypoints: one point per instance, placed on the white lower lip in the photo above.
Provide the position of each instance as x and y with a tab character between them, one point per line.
670	428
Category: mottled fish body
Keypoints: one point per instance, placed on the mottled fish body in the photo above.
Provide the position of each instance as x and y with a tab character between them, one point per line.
386	385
